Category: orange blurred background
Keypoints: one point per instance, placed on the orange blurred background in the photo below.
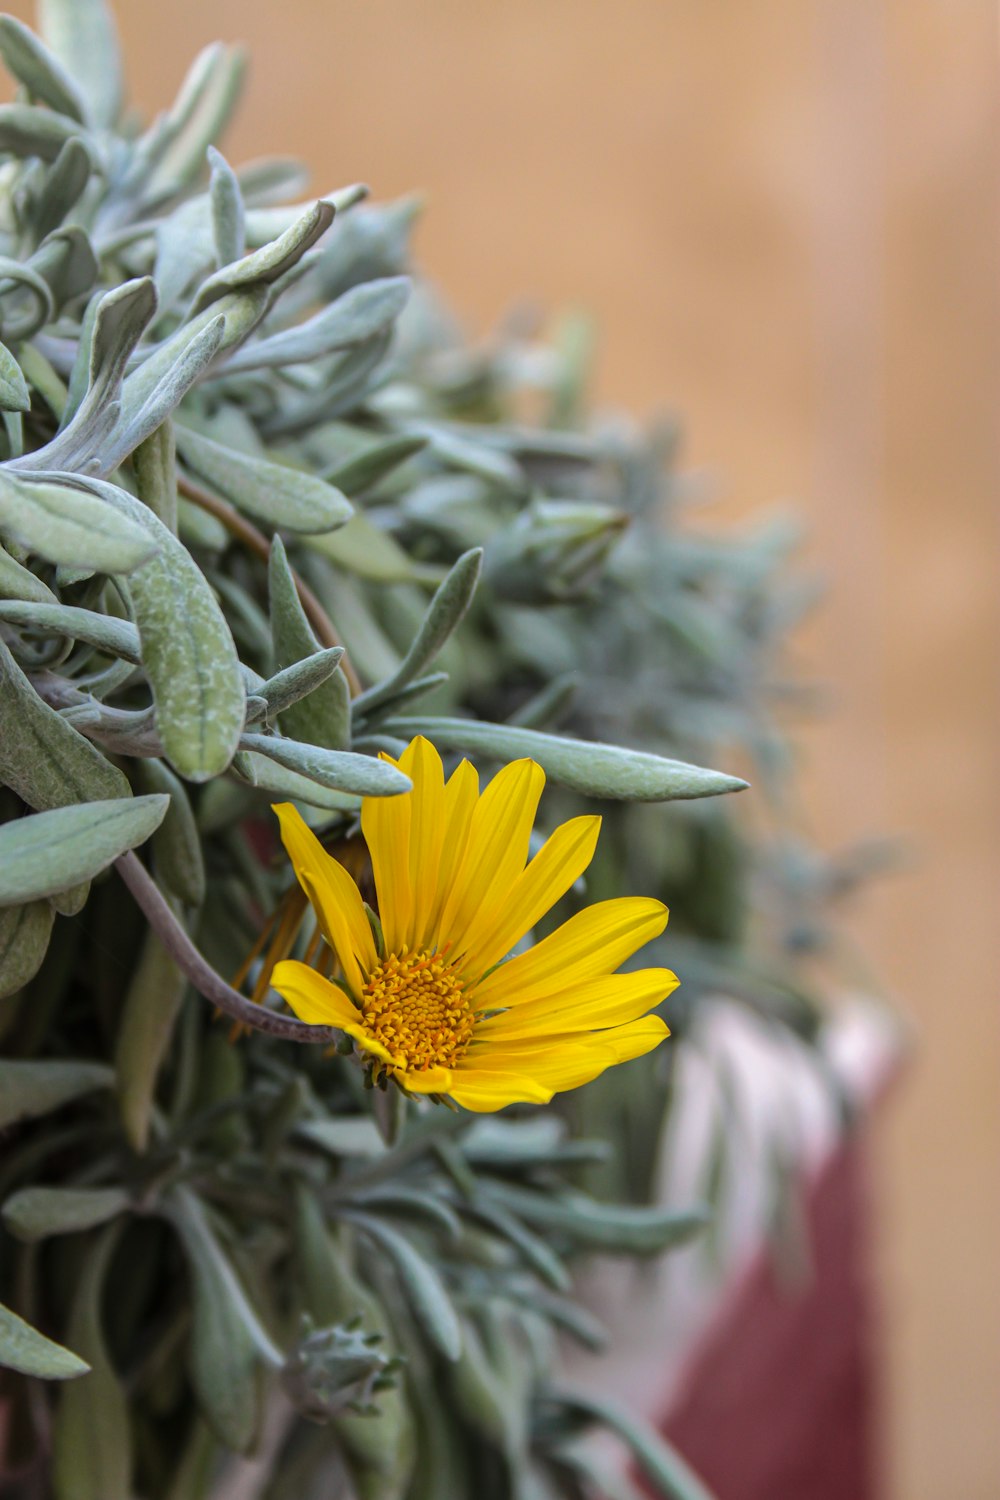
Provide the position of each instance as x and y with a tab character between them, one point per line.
784	216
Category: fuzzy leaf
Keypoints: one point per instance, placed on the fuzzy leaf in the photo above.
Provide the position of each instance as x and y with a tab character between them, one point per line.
353	318
49	851
14	393
227	1340
36	1213
42	757
275	493
176	845
594	769
324	718
82	35
279	781
18	582
41	72
227	209
28	130
264	266
301	678
24	1349
340	770
92	1440
60	520
444	613
362	548
63	187
187	651
112	636
29	1090
152	1004
425	1291
177	144
374	462
24	941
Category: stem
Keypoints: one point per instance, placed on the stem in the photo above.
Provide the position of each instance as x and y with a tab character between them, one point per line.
200	973
258	543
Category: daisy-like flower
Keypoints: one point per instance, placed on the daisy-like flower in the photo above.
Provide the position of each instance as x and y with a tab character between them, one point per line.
434	1002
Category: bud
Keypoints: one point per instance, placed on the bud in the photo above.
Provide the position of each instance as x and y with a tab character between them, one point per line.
338	1368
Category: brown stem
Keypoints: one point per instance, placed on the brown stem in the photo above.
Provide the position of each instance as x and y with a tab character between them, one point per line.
201	974
258	543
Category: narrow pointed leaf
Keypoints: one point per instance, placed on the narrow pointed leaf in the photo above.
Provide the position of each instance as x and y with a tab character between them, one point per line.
112	636
41	72
594	769
340	770
357	315
265	265
82	35
425	1291
275	493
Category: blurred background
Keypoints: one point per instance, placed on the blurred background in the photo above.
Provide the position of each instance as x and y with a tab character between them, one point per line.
783	215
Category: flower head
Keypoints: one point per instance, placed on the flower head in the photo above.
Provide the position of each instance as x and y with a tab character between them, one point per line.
434	1002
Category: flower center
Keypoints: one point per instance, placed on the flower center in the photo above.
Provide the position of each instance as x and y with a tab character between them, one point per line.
413	1003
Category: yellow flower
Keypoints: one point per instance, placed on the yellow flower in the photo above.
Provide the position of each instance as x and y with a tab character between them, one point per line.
438	1006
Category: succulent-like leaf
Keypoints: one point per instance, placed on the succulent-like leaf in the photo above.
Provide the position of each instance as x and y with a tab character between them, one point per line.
65	522
356	316
82	35
324	717
37	1213
41	72
14	393
112	636
274	493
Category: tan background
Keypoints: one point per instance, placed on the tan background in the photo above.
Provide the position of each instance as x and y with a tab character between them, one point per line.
784	215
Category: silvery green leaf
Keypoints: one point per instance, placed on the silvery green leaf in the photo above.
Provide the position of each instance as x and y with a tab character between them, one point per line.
374	462
24	941
174	154
266	224
353	318
472	456
66	260
176	845
165	397
27	283
14	393
227	1339
24	1349
184	248
30	1090
154	463
275	493
29	130
187	650
42	757
53	517
41	72
112	636
444	613
324	718
228	227
339	770
278	781
49	851
240	314
92	1439
425	1291
82	35
64	184
364	549
152	1004
344	386
297	681
594	769
36	1213
264	266
198	528
18	582
272	180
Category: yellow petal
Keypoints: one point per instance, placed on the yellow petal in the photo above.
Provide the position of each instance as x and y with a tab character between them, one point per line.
559	863
592	942
569	1062
333	895
461	794
321	1003
422	763
385	823
610	1000
497	848
426	1080
483	1091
